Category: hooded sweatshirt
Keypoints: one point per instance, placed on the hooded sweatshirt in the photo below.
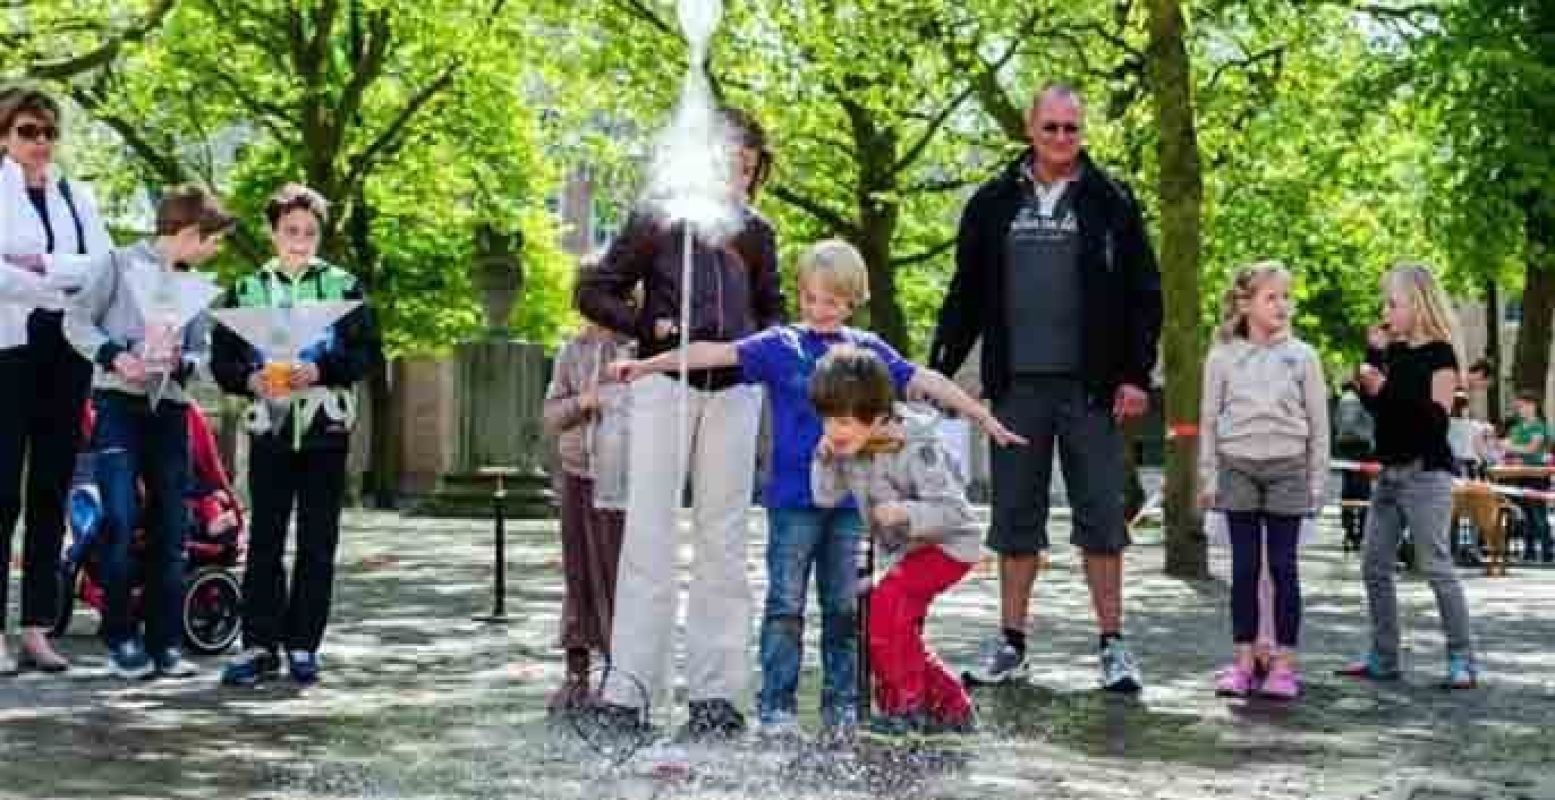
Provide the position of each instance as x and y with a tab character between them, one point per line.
921	474
1264	402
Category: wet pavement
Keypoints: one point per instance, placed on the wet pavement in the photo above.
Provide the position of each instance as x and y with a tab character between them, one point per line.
419	700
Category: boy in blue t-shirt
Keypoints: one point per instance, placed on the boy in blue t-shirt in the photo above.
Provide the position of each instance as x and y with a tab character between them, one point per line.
833	280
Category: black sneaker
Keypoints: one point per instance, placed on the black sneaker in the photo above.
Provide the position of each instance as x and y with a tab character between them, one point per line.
610	719
939	730
892	729
713	719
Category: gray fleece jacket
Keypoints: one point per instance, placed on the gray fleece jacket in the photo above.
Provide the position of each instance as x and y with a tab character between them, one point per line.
1263	402
922	475
102	320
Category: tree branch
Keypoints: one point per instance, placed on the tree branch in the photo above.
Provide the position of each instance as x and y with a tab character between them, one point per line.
832	219
388	141
942	185
106	52
932	129
263	112
984	80
366	69
162	163
1275	53
646	14
925	255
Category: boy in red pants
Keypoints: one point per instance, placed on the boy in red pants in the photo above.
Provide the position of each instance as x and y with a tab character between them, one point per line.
910	492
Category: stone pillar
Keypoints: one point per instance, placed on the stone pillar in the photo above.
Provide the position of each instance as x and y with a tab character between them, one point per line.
499	386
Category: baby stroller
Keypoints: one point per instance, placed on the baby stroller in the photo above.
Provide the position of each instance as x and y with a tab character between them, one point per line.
213	546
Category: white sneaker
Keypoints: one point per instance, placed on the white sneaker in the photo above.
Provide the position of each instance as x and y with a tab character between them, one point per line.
1003	664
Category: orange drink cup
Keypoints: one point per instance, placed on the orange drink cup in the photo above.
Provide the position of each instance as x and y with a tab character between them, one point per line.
277	377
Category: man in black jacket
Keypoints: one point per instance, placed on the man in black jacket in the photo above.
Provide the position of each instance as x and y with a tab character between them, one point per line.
1055	275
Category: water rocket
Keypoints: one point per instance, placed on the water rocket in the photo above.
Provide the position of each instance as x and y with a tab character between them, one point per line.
168	302
282	333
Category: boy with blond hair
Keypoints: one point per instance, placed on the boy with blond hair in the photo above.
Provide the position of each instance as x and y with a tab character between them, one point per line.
802	536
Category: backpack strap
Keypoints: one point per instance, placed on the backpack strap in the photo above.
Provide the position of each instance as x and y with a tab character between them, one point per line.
75	215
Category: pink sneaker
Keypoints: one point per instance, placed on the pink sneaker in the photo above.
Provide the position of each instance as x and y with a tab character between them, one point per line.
1282	684
1234	681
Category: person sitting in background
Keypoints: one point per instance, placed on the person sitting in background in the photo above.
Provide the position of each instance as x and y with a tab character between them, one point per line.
1527	444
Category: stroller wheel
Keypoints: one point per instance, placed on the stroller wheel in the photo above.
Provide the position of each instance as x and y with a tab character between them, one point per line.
65	599
212	611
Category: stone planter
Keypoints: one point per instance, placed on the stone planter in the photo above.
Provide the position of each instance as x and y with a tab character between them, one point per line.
498	276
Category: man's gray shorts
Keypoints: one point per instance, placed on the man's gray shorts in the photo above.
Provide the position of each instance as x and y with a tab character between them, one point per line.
1090	452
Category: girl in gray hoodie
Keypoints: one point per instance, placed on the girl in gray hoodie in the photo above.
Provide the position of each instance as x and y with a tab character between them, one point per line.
1263	460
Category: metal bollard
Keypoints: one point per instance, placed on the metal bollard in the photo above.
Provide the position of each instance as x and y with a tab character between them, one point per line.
499	584
864	558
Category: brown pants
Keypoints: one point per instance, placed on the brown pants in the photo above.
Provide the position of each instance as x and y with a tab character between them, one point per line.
591	548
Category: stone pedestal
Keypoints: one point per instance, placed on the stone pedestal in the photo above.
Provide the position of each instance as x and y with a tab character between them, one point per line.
499	387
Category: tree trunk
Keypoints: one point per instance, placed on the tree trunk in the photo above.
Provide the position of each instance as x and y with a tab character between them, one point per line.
885	314
1531	361
877	219
1181	193
380	484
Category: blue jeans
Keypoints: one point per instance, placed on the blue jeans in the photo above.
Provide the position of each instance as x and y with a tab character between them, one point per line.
132	441
828	540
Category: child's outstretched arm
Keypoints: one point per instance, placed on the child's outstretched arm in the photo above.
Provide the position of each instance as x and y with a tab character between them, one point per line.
944	391
699	355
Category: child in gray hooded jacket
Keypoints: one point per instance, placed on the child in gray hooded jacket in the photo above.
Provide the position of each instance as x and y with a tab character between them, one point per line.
912	496
1263	461
140	438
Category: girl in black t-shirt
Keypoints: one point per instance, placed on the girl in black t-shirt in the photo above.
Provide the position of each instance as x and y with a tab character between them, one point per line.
1407	384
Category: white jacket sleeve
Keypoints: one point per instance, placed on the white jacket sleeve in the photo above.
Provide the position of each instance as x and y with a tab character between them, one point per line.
20	286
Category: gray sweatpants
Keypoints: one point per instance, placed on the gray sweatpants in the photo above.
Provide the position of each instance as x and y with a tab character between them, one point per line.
1422	500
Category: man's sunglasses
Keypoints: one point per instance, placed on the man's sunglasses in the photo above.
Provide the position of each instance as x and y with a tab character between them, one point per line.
33	132
1054	127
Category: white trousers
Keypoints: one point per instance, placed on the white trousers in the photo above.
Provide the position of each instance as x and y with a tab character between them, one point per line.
723	427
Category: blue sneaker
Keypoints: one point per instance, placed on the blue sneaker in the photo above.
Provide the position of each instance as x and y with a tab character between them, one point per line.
1370	667
171	664
304	666
250	667
1461	672
128	660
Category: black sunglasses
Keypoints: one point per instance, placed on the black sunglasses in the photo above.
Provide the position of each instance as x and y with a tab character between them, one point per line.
1055	127
32	132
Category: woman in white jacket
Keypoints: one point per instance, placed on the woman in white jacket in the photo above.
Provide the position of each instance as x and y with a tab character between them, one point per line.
49	229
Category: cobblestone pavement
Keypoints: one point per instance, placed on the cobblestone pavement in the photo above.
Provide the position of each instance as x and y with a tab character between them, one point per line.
418	700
